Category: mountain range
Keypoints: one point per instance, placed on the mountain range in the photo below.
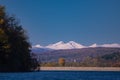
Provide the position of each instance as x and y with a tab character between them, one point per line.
72	51
72	45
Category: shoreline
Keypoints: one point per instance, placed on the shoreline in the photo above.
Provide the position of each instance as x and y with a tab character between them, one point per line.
79	68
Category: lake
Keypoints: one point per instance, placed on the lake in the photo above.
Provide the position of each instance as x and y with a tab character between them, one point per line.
62	75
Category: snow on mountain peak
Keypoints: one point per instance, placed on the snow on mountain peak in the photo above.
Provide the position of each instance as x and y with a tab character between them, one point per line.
37	46
71	42
57	45
73	45
60	42
94	45
62	45
111	45
106	45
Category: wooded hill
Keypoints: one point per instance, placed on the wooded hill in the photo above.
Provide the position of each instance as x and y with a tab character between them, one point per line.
99	56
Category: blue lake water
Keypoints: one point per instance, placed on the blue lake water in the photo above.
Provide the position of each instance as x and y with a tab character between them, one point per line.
62	75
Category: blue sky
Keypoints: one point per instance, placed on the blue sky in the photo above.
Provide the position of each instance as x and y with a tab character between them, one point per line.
83	21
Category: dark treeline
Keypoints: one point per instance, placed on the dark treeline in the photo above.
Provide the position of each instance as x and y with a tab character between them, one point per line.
15	54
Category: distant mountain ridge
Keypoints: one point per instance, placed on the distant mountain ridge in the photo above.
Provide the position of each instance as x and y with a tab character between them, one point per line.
73	45
75	52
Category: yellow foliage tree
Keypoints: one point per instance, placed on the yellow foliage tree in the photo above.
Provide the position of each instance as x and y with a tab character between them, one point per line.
61	61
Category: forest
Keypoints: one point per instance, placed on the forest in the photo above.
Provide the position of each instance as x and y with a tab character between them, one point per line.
15	53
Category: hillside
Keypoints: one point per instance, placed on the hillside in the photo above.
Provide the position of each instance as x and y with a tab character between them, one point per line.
75	55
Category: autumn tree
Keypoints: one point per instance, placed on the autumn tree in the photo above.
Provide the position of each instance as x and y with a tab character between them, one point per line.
61	61
14	45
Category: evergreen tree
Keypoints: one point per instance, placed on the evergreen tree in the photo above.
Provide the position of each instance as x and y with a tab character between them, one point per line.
14	46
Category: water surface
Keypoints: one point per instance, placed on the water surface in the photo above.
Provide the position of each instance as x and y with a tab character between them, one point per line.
62	75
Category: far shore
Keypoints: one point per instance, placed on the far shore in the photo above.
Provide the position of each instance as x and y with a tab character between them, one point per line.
80	68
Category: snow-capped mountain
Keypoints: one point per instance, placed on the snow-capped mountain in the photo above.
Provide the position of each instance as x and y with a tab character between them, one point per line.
62	45
115	45
38	49
37	46
94	45
72	45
